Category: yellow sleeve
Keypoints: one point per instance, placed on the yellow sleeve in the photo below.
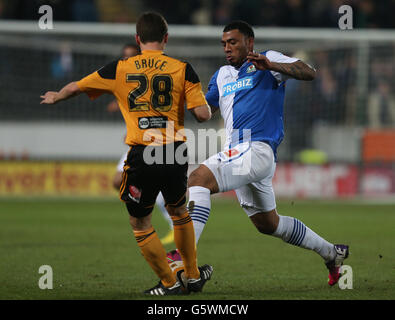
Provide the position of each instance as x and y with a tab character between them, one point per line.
193	89
99	82
194	95
94	85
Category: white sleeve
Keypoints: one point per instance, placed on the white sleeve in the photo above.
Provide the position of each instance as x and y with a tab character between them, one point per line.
275	56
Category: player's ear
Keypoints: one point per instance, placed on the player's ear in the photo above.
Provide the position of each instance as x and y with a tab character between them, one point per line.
137	38
166	38
250	44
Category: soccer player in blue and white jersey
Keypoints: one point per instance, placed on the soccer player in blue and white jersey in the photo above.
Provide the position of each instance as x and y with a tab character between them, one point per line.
249	92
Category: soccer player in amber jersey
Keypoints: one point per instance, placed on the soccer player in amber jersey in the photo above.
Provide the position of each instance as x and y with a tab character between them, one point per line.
151	89
131	50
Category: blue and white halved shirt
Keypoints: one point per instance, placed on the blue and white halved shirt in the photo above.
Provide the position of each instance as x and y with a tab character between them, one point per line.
251	101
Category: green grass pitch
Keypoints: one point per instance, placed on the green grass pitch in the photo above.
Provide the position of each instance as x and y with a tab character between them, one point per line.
91	249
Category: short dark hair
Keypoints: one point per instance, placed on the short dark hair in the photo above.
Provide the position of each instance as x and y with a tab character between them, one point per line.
151	27
132	45
242	26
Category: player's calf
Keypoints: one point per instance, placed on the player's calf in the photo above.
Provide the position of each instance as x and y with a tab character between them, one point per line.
266	222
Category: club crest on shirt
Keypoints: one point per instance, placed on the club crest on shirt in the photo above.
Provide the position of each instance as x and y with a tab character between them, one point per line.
250	69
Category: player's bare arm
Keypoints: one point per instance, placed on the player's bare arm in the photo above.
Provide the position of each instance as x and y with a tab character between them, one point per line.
297	70
67	92
213	109
202	113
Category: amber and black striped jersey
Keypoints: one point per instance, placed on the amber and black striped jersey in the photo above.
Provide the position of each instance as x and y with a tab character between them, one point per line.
151	90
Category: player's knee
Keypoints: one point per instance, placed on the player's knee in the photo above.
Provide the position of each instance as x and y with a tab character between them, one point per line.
194	179
176	211
139	217
132	222
140	224
203	177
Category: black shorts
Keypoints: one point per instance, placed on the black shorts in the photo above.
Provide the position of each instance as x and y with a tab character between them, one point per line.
142	181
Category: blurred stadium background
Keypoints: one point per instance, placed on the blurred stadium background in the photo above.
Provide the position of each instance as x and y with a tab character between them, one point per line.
339	129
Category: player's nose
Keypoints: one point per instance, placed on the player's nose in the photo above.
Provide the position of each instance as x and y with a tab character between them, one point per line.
227	48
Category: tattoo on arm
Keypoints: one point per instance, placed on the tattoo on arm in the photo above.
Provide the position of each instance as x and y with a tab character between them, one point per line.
298	70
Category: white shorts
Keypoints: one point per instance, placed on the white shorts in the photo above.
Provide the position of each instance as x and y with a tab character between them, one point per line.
121	162
248	169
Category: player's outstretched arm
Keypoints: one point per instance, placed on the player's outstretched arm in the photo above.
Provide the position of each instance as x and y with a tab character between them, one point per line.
297	70
202	113
68	91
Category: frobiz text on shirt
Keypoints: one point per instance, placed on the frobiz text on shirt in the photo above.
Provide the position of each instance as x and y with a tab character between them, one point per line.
242	84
